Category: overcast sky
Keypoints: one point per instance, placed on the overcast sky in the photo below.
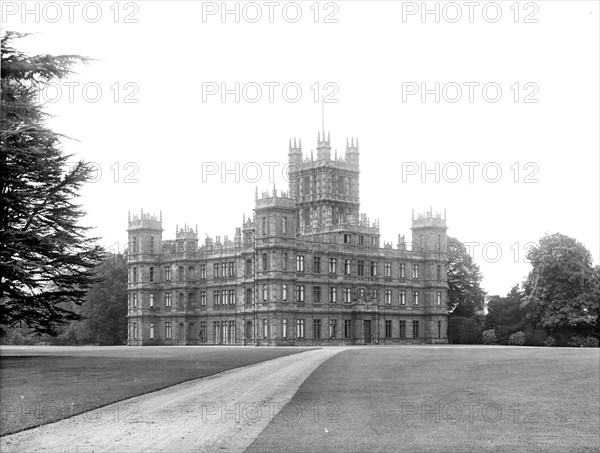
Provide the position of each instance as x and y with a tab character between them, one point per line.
508	166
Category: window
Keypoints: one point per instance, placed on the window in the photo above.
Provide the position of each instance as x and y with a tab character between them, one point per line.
264	226
231	333
388	328
167	300
224	297
232	297
216	294
151	274
332	295
439	272
300	293
134	244
388	296
284	328
415	271
134	275
347	267
416	297
180	275
151	300
374	241
224	270
402	297
347	295
202	333
388	269
348	327
415	329
317	264
284	292
361	240
167	274
346	238
300	263
316	294
203	271
333	328
439	329
248	295
248	268
360	270
285	261
439	298
151	244
285	229
265	262
216	273
216	332
402	270
232	269
152	331
265	328
299	328
135	296
264	292
168	333
203	298
373	268
316	329
402	330
332	265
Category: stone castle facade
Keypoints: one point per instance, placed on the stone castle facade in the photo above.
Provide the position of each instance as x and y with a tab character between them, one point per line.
307	269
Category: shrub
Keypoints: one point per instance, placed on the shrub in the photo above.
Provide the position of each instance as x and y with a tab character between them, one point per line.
577	340
517	339
463	331
549	341
534	337
590	342
489	337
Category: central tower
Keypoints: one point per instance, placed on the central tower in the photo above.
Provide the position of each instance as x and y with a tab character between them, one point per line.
325	189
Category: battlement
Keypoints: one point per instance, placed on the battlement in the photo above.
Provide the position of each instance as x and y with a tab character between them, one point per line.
271	200
429	219
144	221
186	232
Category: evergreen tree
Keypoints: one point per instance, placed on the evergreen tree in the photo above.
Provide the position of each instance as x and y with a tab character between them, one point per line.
46	260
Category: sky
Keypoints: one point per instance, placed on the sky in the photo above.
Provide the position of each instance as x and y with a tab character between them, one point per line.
489	111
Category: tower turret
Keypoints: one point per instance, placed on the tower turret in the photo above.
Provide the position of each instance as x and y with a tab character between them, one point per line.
352	153
429	232
323	147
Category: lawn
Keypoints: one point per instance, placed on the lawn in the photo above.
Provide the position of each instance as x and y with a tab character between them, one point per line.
444	399
41	384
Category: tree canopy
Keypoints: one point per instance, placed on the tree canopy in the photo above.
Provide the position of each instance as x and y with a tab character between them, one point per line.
46	258
465	295
562	290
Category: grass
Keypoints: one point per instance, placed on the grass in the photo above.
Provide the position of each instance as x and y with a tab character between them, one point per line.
409	398
40	384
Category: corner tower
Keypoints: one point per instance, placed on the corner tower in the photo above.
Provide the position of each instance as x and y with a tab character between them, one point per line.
143	259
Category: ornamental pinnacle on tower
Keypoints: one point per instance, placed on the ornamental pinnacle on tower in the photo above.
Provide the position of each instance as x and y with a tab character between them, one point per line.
323	147
352	151
295	151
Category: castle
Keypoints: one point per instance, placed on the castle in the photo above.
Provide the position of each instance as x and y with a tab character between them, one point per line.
307	269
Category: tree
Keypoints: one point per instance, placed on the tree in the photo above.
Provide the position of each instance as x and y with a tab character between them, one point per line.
562	291
465	296
46	261
506	311
105	307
